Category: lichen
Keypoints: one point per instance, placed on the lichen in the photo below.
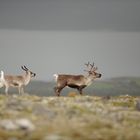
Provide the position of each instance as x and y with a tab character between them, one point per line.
76	117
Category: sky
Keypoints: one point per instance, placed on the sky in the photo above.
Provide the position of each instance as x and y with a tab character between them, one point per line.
60	36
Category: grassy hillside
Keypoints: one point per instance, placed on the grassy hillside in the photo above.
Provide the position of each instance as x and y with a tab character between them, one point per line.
116	86
31	117
113	87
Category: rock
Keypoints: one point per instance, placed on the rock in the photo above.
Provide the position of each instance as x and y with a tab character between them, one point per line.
53	137
23	124
8	125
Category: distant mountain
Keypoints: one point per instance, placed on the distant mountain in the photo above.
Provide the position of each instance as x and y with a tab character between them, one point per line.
118	86
113	87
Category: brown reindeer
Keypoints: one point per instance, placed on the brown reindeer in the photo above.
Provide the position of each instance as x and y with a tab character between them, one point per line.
18	81
76	81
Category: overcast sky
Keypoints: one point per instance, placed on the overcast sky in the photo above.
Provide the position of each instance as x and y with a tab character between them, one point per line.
59	36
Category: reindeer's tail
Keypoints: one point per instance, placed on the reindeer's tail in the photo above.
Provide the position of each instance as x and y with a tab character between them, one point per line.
1	79
1	75
55	76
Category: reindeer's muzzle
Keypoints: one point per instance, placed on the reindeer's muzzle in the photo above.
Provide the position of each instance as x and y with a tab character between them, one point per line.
98	75
33	74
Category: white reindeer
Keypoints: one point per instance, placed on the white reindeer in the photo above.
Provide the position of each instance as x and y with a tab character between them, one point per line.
17	81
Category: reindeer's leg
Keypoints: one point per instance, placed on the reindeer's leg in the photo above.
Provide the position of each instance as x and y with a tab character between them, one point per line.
58	90
59	87
19	90
6	90
80	90
55	90
22	90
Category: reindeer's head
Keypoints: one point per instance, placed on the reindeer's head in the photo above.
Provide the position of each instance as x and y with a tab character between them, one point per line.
32	74
92	70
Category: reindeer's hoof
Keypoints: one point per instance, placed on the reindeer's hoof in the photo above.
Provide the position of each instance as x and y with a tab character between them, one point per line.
57	94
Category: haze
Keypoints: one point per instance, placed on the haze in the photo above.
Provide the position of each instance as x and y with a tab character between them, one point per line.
59	36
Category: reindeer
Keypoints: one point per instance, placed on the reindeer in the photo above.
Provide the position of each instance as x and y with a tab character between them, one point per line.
78	82
18	81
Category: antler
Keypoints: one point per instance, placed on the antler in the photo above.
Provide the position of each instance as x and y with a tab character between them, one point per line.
93	68
90	67
24	68
87	64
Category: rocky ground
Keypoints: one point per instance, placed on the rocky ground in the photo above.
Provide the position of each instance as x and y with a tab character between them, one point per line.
30	117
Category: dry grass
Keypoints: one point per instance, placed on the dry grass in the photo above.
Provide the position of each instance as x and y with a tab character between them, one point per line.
74	117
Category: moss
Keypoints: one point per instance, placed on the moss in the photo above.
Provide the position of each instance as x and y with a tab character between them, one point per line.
124	101
123	104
